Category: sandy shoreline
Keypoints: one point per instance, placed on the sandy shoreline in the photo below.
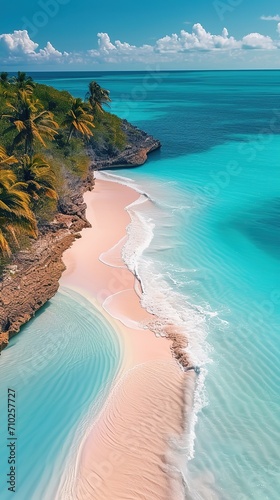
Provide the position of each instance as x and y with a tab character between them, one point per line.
127	452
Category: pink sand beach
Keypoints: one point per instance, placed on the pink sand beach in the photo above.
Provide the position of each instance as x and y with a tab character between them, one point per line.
129	453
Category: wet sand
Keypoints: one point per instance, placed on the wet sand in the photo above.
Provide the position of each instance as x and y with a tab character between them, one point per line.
129	451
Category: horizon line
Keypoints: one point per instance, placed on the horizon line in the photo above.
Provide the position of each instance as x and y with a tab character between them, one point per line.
143	70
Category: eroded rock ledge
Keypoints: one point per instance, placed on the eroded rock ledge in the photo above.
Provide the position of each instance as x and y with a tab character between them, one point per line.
32	278
139	145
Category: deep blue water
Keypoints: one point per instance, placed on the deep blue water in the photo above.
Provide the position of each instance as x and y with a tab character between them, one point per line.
214	256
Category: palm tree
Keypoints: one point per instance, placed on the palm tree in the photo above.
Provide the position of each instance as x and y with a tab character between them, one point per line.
5	87
4	78
22	81
5	159
97	97
78	119
30	121
16	216
38	176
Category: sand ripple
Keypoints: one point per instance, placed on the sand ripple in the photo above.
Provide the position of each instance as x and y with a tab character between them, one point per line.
123	457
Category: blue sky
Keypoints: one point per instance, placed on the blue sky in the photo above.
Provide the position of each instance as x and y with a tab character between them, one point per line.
70	34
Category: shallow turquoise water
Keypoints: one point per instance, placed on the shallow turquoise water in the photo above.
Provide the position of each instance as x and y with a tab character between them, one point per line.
61	366
214	255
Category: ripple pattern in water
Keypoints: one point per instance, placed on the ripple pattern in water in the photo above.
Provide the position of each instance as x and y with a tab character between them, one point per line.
60	365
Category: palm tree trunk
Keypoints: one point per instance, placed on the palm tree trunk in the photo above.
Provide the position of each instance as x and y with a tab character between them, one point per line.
70	134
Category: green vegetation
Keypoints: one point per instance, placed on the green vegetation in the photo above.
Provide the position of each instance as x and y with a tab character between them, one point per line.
16	216
78	119
38	177
97	97
29	121
44	138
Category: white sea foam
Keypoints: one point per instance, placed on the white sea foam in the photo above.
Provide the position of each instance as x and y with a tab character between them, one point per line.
162	292
109	258
126	181
140	234
174	308
163	284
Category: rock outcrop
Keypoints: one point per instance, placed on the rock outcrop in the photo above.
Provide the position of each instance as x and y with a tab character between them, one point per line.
138	145
32	278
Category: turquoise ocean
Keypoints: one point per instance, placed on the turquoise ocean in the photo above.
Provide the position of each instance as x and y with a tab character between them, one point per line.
208	259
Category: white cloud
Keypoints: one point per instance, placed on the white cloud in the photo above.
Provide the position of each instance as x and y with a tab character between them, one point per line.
257	41
17	43
17	47
50	53
270	18
177	45
104	43
199	39
119	51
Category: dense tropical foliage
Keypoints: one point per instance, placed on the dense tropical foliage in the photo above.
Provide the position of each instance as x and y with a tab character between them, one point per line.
78	119
44	135
16	216
30	121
